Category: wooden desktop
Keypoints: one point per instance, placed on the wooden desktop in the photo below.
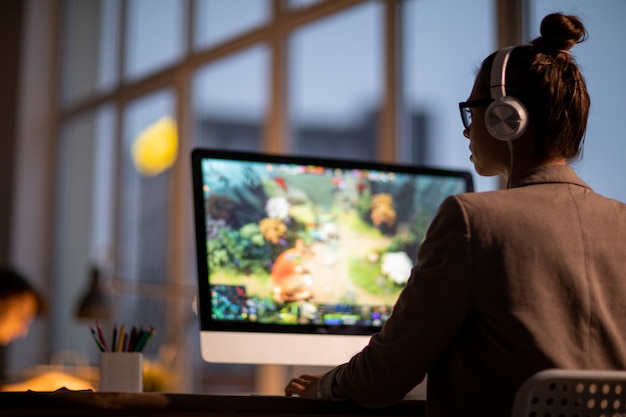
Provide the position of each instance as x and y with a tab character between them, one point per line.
87	403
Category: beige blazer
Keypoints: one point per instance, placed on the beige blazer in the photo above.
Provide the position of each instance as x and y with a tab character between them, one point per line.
507	283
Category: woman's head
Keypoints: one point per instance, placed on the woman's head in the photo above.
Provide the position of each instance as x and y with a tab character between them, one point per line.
546	79
19	304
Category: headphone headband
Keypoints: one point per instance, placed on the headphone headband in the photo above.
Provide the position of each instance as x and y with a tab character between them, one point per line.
497	86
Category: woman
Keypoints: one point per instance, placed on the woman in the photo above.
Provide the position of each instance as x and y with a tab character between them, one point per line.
507	282
19	304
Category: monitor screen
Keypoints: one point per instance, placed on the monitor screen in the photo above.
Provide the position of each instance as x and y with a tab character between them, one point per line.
305	250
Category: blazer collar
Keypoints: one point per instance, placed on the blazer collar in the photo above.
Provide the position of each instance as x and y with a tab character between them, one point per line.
549	174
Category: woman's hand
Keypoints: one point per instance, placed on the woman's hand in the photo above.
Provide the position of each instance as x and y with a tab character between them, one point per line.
303	386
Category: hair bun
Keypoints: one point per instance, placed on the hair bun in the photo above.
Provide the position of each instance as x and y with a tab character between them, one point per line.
560	32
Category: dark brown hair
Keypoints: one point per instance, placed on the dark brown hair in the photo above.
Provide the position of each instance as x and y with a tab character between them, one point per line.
14	284
545	77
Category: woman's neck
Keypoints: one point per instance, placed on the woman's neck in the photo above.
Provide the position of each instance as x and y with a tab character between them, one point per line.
521	166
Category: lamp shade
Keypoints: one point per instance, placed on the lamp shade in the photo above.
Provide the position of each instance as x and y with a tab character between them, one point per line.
95	303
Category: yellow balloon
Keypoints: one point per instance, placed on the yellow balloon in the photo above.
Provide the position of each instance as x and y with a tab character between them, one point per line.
156	147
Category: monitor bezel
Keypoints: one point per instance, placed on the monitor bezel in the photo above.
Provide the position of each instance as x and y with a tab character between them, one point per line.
204	300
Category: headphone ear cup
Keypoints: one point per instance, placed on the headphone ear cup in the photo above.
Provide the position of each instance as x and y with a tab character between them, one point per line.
506	118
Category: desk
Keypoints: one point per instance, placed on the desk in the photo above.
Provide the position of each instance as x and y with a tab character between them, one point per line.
74	404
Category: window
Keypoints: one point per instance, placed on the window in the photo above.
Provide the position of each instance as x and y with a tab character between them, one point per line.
89	61
309	78
604	145
217	21
439	71
143	234
296	4
230	101
155	36
83	222
335	86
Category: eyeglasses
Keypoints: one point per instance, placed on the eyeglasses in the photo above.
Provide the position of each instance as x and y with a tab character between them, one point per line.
466	113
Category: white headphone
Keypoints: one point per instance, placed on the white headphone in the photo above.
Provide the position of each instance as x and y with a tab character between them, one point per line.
506	117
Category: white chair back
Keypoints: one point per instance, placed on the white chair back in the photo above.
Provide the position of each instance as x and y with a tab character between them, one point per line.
569	393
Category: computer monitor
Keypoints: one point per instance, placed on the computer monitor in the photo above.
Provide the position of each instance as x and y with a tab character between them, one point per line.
300	259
